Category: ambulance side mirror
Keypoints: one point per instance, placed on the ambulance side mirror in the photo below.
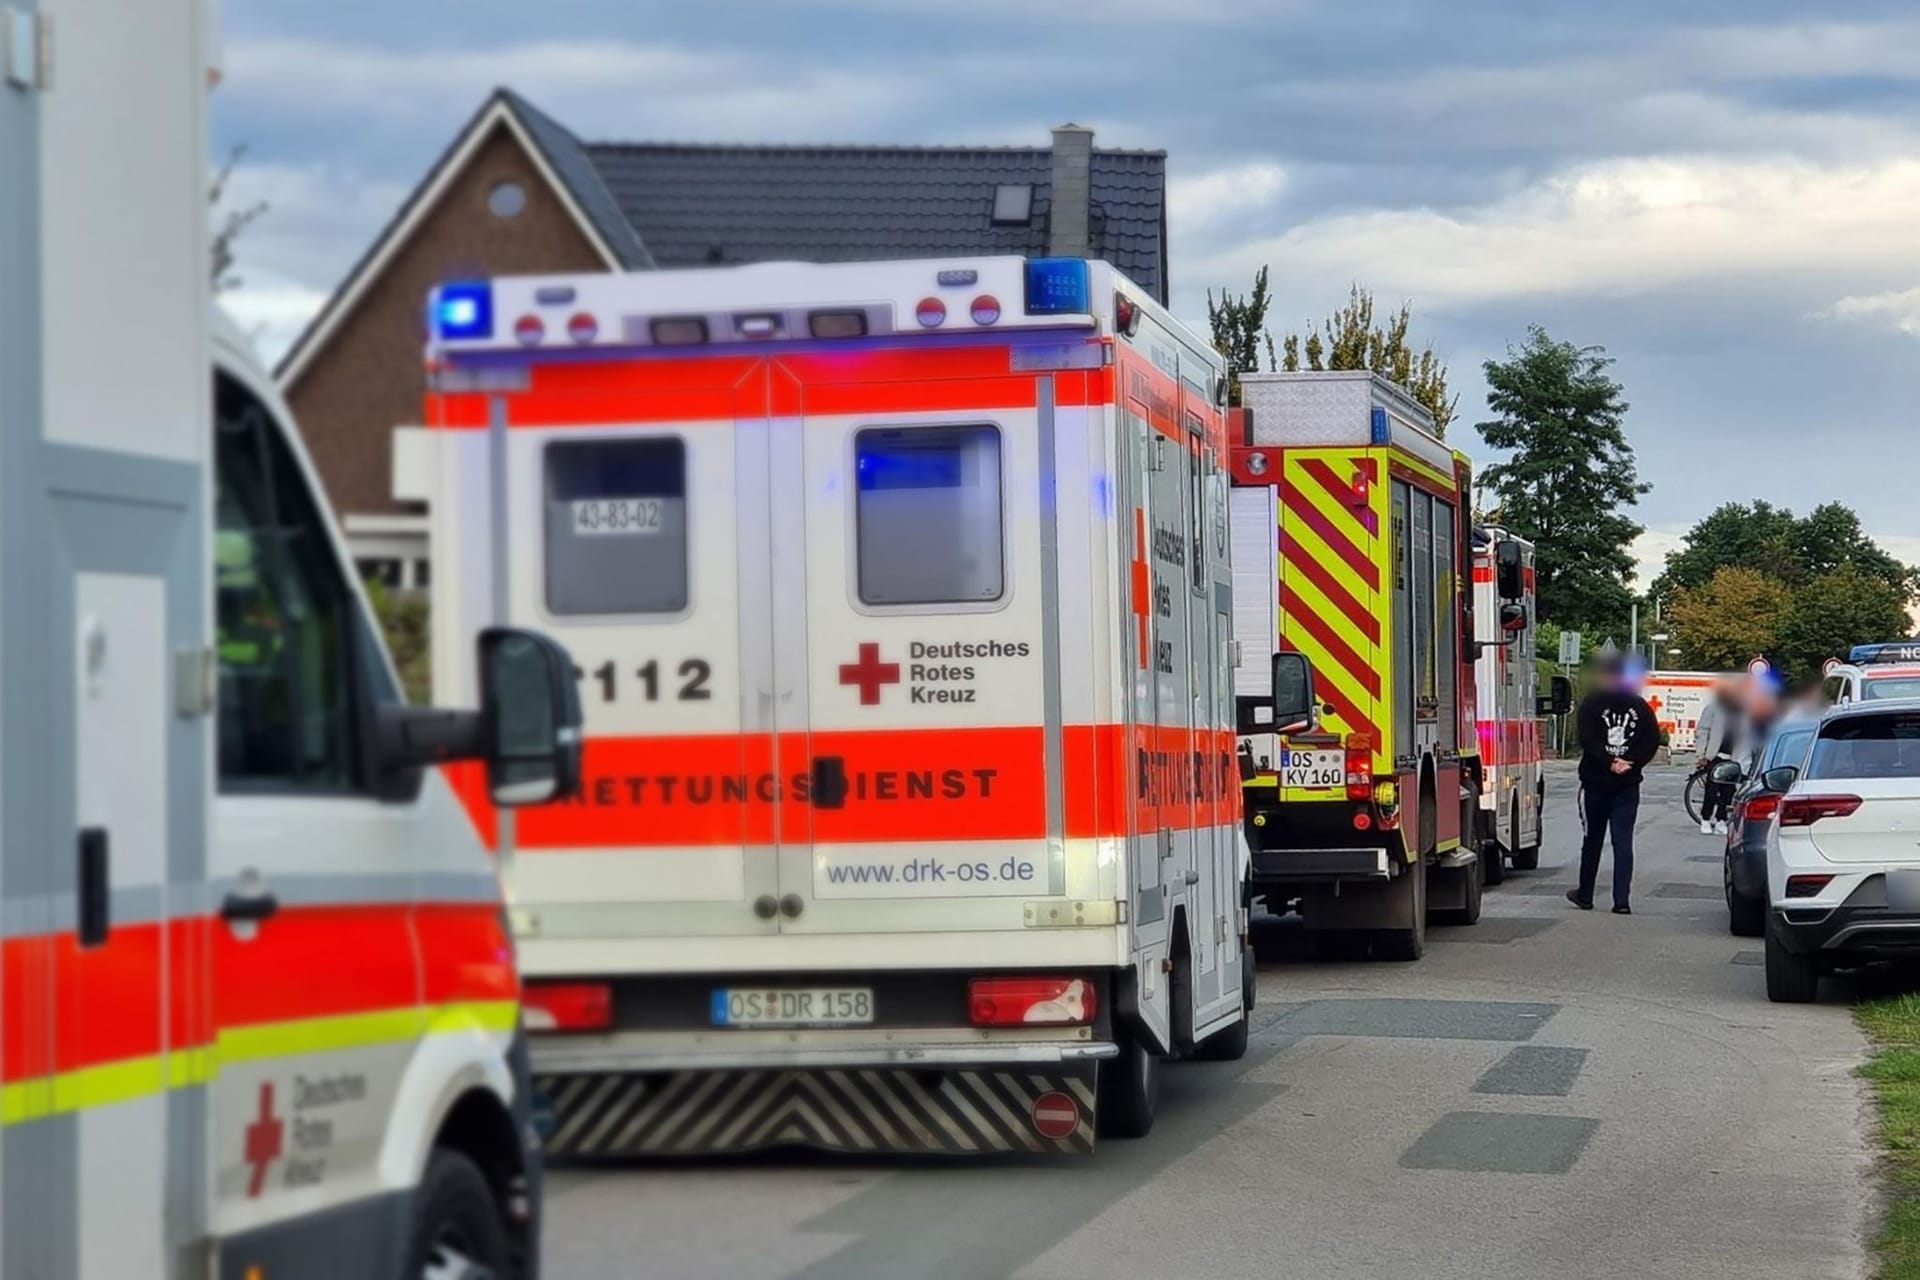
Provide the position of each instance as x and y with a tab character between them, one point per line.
1513	618
1293	703
1509	570
530	718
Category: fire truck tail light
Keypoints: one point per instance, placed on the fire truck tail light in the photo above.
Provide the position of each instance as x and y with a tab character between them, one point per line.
463	310
1016	1002
986	309
568	1006
528	330
677	331
1359	766
583	327
931	313
1058	286
837	324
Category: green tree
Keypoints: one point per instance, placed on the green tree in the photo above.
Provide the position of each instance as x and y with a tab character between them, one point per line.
1738	614
1350	339
1569	476
1772	539
1239	327
1851	604
231	222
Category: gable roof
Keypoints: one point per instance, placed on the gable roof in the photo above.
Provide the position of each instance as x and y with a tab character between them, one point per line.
645	205
695	205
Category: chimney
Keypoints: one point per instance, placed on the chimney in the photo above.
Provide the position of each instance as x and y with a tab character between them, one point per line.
1069	217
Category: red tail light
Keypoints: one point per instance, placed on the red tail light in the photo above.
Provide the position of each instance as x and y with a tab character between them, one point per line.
1804	811
1359	766
568	1006
1027	1002
1760	808
1807	886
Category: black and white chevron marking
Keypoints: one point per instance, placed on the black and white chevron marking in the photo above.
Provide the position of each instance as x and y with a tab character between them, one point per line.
598	1114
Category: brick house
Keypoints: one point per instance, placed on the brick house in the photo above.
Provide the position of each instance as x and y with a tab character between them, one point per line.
517	193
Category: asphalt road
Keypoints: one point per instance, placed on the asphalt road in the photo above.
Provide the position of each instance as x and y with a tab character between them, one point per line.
1548	1093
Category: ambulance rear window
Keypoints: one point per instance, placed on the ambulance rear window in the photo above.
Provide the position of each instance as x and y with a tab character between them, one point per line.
929	515
616	526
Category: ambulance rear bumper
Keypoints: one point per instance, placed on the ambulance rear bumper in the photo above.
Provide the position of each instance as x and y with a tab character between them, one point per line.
974	1107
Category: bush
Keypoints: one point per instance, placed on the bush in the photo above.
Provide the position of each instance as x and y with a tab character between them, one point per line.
404	621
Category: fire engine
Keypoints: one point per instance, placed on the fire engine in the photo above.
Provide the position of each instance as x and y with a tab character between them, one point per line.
1511	783
899	597
260	1006
1351	531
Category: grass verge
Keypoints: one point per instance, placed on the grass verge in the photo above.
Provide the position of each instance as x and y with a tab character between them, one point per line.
1893	1024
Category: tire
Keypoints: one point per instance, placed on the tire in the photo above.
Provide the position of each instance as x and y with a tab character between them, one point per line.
1694	795
1493	859
1528	858
1470	913
1128	1090
1407	944
1231	1045
456	1219
1791	979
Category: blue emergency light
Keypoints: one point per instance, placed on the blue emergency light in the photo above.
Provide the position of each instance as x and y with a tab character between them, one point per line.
463	310
1058	286
1891	651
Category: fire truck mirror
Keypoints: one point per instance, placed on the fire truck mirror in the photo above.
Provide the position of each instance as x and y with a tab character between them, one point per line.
1510	568
530	712
1293	700
1513	618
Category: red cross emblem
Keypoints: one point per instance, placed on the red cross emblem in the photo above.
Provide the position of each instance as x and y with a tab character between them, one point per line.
1653	703
870	674
264	1138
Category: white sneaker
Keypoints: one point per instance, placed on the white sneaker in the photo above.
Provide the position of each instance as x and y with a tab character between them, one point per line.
1706	827
1720	827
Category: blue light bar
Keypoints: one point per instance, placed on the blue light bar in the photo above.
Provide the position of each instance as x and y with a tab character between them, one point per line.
1893	651
463	310
1058	286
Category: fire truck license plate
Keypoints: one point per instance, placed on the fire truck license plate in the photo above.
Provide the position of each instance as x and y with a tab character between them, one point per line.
1313	768
807	1007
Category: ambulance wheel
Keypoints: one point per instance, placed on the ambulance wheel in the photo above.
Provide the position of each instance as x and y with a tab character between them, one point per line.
1493	859
1527	859
1128	1090
1231	1045
457	1231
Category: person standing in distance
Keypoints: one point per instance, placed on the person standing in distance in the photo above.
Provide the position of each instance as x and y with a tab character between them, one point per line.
1618	736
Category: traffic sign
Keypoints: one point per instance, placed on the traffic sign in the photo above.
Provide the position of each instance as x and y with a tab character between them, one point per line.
1569	648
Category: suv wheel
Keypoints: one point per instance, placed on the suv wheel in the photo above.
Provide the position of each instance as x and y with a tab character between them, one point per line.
1791	978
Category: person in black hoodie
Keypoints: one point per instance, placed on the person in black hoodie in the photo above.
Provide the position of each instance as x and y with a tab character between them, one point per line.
1618	736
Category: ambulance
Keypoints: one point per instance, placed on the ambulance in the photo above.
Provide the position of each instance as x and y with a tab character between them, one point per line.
1352	532
899	594
1890	669
1511	783
258	1004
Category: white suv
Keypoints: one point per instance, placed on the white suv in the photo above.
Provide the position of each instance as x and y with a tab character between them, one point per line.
1843	859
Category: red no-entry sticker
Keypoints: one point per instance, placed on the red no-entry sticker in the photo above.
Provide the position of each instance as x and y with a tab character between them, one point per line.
1055	1115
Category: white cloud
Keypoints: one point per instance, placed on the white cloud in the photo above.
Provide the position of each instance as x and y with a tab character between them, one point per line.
1899	308
1650	551
1196	202
1618	226
272	313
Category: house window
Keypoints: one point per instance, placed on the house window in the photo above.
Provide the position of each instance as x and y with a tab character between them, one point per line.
507	199
928	515
382	569
1013	204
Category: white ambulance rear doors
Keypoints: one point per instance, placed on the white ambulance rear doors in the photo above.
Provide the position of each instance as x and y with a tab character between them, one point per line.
806	589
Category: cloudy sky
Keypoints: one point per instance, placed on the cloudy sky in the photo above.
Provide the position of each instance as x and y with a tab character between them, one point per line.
1723	193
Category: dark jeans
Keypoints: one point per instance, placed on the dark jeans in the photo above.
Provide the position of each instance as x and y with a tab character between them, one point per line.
1601	810
1719	801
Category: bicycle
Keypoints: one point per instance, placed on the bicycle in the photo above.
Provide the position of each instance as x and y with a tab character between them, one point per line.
1694	794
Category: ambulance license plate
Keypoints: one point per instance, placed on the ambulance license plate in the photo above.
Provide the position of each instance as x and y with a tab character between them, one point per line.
1313	768
792	1007
1903	890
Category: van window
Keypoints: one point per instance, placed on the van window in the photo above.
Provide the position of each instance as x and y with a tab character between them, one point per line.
283	615
928	520
616	526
